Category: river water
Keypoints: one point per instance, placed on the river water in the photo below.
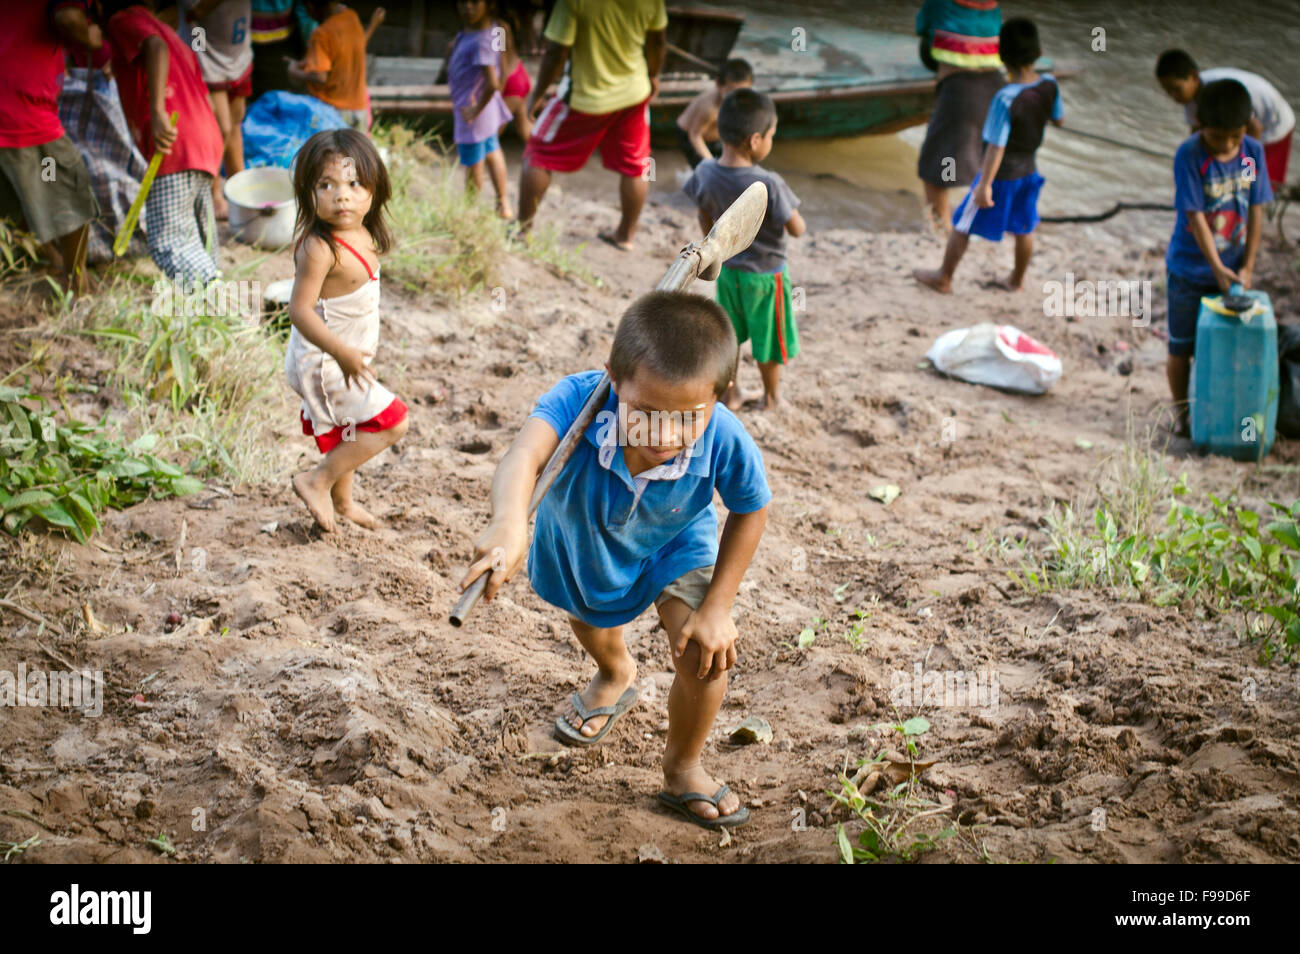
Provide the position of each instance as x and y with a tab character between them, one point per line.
870	181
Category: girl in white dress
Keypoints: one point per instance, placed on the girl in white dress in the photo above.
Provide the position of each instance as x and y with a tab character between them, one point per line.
341	186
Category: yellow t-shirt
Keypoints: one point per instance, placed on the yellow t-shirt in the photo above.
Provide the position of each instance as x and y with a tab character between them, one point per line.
607	40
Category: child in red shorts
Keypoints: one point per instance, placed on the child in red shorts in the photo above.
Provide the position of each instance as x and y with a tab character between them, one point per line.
341	186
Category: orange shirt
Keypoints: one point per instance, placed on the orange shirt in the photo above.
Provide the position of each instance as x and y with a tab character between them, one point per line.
338	48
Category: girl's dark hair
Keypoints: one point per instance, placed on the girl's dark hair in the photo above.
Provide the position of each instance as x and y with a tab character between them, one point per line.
311	161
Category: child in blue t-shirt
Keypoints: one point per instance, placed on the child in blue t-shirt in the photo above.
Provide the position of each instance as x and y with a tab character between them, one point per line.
1004	196
1220	187
630	521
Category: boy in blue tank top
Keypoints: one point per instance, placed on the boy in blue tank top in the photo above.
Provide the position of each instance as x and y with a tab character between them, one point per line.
1004	196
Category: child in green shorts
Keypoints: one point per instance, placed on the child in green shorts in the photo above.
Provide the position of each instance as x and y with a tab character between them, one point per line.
754	286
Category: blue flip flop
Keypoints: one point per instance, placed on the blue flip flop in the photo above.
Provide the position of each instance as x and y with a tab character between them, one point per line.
678	803
571	736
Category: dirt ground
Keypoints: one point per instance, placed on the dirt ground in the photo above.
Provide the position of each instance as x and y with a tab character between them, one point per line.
317	706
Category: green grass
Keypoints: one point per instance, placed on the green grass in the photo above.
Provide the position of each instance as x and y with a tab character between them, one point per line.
1142	535
206	385
450	240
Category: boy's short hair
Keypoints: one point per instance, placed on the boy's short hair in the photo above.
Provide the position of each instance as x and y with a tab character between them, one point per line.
1176	63
677	336
735	71
1223	104
743	113
1018	43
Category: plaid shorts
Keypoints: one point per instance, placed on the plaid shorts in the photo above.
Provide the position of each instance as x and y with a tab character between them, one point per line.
181	226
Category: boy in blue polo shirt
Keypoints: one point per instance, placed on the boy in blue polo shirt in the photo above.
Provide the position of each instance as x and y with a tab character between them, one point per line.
630	521
1004	196
1220	187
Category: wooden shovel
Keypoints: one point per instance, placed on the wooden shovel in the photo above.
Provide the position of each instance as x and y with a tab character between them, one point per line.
730	235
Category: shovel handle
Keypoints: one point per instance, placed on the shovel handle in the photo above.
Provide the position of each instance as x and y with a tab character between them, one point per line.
461	610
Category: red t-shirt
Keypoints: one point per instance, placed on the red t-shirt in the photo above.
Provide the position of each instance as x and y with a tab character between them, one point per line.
198	139
33	66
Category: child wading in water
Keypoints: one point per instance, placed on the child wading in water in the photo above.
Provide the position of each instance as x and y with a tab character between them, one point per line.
475	77
1004	196
341	187
629	522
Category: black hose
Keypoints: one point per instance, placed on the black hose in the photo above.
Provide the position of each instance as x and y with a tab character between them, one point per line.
1114	210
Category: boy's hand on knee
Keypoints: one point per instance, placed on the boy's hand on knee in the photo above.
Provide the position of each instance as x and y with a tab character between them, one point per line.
500	551
714	631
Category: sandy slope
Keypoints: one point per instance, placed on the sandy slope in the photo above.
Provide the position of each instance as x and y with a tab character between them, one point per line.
341	718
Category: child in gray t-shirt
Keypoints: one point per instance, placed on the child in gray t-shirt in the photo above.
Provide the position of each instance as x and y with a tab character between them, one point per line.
753	287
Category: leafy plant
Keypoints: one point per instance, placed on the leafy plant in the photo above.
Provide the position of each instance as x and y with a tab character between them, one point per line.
854	633
888	820
1221	557
65	475
192	371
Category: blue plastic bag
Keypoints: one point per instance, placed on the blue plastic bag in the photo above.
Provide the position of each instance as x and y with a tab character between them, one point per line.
278	123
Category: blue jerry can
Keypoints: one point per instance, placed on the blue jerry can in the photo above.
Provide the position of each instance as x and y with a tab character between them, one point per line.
1235	376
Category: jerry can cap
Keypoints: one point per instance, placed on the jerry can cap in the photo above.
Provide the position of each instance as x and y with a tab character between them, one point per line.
1236	303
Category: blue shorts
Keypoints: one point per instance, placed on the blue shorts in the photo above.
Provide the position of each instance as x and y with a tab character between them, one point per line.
1015	209
472	153
1184	308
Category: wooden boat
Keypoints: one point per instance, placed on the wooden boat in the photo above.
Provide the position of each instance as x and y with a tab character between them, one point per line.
827	80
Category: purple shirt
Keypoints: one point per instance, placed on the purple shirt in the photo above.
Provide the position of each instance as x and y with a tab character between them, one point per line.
472	52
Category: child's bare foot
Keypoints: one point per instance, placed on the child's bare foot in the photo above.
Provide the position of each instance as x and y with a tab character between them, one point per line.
358	514
613	240
695	779
505	212
314	493
601	691
935	279
737	398
1008	284
771	402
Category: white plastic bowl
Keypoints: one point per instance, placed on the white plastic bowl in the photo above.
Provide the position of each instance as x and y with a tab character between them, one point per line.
262	207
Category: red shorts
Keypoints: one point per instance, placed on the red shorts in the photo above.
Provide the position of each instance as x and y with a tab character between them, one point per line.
517	83
563	139
240	87
390	416
1276	155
